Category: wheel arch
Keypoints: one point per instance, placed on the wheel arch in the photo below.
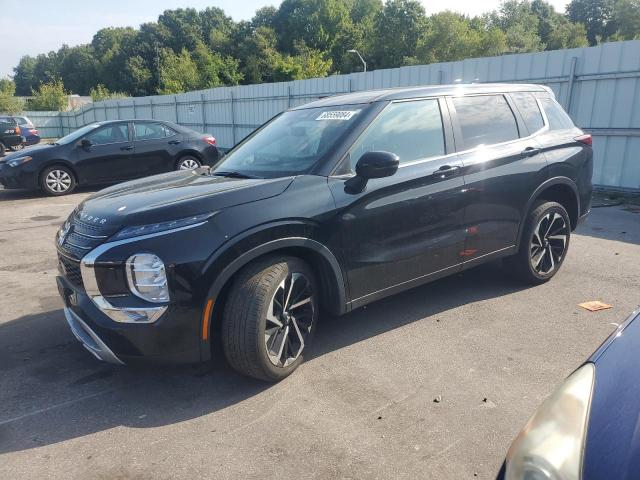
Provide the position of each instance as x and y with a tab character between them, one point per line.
188	153
562	190
62	163
320	258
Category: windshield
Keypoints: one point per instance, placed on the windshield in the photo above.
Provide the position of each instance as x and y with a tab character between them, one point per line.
291	143
77	135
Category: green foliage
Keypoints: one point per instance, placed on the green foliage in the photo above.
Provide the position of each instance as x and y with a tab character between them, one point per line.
187	49
50	96
100	92
9	104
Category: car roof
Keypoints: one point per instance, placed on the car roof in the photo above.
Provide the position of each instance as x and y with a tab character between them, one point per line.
402	93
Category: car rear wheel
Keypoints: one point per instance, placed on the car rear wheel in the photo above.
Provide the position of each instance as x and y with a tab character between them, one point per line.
188	163
544	244
269	318
2	149
57	180
17	148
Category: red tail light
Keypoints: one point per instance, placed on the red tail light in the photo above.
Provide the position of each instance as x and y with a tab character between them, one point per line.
586	139
33	132
210	140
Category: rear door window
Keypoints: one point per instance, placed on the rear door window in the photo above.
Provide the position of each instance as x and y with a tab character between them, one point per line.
152	131
412	130
557	117
529	110
485	120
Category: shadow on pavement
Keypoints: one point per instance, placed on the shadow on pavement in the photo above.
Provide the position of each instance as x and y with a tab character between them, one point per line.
52	390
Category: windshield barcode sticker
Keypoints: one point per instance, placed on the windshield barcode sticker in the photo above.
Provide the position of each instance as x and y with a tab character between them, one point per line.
337	115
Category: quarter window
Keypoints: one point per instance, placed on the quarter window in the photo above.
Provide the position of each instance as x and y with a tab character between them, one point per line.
412	130
152	131
116	133
558	118
485	120
529	110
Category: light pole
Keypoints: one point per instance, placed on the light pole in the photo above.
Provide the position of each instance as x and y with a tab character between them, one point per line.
359	56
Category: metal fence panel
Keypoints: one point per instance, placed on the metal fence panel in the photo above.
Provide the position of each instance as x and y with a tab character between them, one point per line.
599	86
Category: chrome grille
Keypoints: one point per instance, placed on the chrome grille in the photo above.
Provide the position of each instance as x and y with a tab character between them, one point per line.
84	237
70	269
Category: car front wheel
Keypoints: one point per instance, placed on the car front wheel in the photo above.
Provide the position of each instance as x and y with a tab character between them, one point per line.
269	317
57	180
544	243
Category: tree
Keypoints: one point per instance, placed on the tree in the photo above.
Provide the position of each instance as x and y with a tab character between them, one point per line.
626	15
9	104
49	96
24	75
595	15
178	72
520	24
398	27
100	92
78	68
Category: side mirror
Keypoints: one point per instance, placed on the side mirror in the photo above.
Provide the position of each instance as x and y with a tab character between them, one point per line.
85	143
372	165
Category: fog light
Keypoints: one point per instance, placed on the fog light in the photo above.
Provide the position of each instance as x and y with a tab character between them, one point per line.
147	277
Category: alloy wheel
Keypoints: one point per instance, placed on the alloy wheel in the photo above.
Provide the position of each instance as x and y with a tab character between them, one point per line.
548	243
17	148
189	164
289	319
58	181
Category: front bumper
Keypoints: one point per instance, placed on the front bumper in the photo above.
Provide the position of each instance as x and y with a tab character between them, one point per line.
16	177
89	339
173	339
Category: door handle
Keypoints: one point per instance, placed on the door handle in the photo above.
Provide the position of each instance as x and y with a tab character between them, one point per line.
530	151
446	171
174	142
128	147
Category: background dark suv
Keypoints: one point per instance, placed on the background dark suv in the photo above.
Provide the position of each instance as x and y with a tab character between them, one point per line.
108	152
329	206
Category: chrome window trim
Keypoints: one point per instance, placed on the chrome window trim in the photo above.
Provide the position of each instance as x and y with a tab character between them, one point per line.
544	129
135	136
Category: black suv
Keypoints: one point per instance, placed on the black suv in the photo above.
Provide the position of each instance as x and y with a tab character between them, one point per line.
10	135
108	152
328	206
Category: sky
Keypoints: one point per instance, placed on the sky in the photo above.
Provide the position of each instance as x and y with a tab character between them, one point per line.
39	26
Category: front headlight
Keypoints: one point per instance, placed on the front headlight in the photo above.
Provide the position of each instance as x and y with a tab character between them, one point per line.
19	161
147	277
551	444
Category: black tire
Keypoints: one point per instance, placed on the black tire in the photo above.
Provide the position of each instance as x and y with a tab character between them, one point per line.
187	163
2	149
245	328
67	180
542	247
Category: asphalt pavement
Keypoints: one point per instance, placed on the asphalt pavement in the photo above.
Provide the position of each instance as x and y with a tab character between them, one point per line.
489	350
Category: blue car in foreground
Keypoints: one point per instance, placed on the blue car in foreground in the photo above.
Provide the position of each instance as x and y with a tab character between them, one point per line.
589	427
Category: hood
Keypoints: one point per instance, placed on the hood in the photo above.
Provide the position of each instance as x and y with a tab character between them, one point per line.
172	196
31	151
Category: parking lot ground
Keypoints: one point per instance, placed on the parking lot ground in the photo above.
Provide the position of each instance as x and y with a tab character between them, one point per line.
361	407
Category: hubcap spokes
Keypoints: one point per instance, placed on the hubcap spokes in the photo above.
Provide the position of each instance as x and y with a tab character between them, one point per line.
58	181
289	320
548	243
188	164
